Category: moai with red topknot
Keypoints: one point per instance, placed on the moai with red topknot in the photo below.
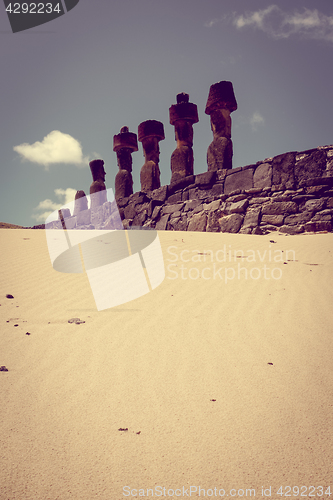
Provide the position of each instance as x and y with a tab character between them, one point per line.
221	102
97	189
124	144
182	116
150	133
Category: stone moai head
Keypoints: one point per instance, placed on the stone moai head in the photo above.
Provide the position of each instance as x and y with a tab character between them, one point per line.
150	133
98	187
182	116
124	144
81	202
221	103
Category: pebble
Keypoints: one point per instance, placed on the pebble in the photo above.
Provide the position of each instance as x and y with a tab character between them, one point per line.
77	321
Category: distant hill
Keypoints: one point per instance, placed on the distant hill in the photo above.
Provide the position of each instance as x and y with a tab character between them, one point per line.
5	225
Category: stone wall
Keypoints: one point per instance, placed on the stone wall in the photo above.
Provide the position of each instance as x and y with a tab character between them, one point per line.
291	193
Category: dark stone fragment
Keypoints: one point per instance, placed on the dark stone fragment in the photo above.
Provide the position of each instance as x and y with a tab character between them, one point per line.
175	197
318	226
240	180
9	296
3	369
77	321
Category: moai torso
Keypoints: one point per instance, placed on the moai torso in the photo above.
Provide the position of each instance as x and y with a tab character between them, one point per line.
150	133
220	104
182	116
124	144
98	187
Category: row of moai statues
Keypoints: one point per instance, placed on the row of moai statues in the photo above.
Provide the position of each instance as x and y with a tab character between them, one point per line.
221	103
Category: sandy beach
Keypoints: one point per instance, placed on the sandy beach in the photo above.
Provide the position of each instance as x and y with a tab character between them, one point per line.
221	378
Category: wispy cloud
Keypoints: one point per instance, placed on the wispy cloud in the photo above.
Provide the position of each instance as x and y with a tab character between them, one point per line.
56	147
46	207
280	24
256	120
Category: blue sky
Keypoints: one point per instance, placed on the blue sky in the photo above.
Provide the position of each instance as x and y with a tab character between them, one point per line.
68	86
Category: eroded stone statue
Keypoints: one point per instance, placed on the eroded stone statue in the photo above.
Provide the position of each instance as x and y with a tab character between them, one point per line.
150	133
81	202
124	144
98	188
220	104
182	116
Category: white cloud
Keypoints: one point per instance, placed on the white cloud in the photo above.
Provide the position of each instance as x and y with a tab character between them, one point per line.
46	207
56	147
279	24
255	120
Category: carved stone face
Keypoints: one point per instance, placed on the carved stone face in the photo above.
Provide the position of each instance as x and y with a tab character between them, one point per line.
220	121
184	133
151	149
97	170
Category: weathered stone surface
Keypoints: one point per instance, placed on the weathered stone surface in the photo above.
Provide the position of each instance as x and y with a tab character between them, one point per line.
317	189
275	220
70	222
280	208
311	166
213	205
183	115
213	224
162	223
168	209
217	189
181	183
175	197
138	198
123	184
221	102
295	219
262	176
236	197
238	207
231	223
259	200
198	222
81	202
252	218
292	229
140	218
283	170
191	205
239	180
97	188
160	194
281	197
129	211
150	133
198	209
83	218
205	179
330	202
316	205
156	212
318	226
97	215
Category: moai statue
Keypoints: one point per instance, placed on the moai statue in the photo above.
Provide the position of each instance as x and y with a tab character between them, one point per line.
124	144
221	102
81	202
150	133
182	116
98	188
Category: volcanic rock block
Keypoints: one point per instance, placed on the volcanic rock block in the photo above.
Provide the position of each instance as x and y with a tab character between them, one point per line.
242	179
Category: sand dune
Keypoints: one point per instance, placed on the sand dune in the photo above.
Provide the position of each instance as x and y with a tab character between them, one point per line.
222	375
